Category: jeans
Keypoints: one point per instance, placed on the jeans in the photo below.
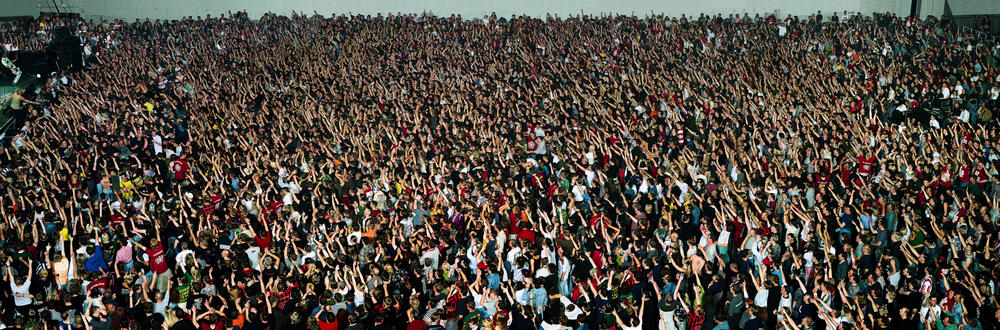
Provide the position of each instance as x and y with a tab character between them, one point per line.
127	267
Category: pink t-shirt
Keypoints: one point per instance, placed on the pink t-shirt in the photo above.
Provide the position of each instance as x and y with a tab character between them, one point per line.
124	254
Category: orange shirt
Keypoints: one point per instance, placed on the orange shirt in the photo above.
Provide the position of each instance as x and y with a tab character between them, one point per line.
240	321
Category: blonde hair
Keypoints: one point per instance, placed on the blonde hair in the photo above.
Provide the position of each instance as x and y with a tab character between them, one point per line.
169	319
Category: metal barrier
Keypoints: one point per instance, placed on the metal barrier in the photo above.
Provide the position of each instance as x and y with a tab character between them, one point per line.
980	34
4	130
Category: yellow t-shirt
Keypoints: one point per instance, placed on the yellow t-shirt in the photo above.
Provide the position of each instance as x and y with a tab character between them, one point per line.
127	187
64	234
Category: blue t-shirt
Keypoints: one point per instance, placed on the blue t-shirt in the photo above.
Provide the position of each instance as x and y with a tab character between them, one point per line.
866	221
539	298
96	262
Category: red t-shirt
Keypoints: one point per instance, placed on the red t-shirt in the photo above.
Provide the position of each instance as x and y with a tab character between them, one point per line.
205	325
101	283
945	177
964	175
865	165
157	262
323	325
593	220
596	256
116	219
263	242
180	167
819	179
527	234
417	325
845	175
514	220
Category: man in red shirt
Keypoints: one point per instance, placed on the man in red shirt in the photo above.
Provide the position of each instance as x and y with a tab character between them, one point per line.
180	167
865	165
100	283
263	240
157	258
820	180
526	233
326	319
964	175
845	174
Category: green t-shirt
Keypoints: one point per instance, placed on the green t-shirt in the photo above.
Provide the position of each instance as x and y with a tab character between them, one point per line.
473	318
184	290
916	238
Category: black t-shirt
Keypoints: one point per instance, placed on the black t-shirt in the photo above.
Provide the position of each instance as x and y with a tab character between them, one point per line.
911	300
581	268
986	313
518	321
100	325
385	326
258	325
462	307
182	325
281	320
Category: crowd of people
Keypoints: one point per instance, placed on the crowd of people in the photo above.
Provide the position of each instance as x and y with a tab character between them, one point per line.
422	172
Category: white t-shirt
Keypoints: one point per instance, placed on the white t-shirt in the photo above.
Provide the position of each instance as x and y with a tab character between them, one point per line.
254	253
570	315
542	272
934	311
684	189
513	254
578	192
723	238
21	293
182	257
964	116
548	326
522	297
894	279
637	327
785	302
667	321
157	144
761	298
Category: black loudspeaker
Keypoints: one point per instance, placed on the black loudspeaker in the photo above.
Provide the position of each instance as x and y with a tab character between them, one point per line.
32	63
65	49
60	34
77	56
